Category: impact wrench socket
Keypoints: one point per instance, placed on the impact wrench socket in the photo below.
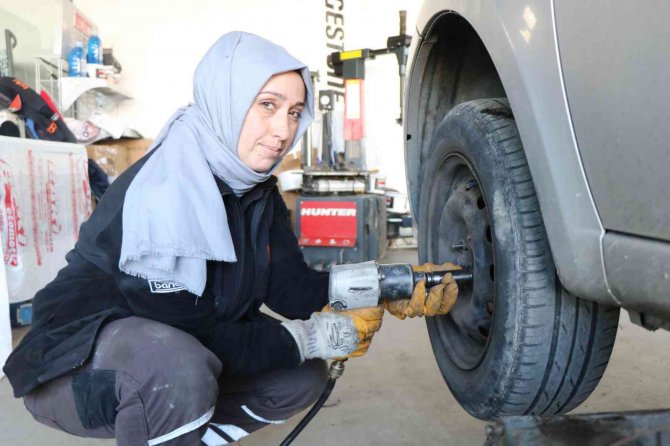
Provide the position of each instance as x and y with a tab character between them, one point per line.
359	285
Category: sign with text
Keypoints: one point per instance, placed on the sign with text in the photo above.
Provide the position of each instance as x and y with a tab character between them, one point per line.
328	223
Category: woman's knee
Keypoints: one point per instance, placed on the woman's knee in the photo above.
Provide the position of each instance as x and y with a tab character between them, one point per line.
166	379
148	350
166	367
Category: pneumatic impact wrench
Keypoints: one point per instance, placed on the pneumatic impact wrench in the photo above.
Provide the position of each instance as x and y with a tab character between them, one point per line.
366	284
359	285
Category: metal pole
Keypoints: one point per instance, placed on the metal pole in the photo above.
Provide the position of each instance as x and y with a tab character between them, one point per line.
306	158
401	66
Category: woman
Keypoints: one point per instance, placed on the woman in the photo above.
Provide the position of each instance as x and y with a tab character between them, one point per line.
152	333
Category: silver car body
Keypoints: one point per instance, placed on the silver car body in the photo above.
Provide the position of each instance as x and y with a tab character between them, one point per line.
588	86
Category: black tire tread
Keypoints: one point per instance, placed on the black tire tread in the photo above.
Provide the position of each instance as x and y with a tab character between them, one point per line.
583	332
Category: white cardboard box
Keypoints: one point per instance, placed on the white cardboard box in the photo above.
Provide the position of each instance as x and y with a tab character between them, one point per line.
44	198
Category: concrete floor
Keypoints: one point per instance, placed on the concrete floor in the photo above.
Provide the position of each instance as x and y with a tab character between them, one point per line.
395	394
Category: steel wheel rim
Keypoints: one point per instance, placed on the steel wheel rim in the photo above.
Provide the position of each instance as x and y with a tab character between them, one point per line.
460	232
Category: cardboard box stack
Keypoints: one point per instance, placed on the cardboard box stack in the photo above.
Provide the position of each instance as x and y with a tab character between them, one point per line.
115	156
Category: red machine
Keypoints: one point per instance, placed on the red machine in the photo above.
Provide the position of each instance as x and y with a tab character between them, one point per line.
340	217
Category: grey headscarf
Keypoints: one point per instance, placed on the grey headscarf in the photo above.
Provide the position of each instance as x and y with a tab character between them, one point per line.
174	219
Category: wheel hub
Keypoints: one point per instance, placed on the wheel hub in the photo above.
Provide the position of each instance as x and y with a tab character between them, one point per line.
463	235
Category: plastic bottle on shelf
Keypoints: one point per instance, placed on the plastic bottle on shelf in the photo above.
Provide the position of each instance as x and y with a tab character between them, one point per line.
94	50
75	59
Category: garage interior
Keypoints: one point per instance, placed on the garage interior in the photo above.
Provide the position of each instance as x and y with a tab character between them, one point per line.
116	105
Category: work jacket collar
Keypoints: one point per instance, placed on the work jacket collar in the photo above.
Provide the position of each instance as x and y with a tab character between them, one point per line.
258	189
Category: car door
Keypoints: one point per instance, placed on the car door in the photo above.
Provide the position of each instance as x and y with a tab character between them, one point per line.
615	60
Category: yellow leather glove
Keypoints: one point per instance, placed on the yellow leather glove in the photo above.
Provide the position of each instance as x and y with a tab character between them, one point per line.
440	299
367	320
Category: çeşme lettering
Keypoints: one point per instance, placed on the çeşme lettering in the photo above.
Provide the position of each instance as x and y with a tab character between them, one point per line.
328	212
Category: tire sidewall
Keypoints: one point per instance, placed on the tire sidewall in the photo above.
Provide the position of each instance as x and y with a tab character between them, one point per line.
462	133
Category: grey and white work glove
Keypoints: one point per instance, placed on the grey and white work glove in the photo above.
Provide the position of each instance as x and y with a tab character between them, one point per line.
329	335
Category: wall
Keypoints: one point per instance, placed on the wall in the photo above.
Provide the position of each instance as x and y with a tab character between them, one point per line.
42	14
159	47
35	32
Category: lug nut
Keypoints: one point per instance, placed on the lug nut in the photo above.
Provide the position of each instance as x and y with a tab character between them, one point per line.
461	246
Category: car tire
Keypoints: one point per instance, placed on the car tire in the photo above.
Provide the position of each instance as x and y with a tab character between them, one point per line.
516	342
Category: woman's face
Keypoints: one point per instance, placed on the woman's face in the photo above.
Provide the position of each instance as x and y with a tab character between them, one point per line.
272	121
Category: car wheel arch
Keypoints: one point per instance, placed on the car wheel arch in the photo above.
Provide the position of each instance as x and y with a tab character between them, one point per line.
451	66
530	79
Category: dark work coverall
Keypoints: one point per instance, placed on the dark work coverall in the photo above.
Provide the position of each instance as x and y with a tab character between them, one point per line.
146	362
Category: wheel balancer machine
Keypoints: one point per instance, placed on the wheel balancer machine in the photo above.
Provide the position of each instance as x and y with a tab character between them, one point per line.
338	217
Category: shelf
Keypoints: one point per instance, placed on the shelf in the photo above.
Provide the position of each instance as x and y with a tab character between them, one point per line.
73	87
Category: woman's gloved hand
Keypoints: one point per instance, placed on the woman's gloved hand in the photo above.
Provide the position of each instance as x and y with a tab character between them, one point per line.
367	321
329	334
440	299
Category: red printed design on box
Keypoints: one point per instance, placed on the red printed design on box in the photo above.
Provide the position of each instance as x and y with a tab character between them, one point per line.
83	200
52	204
328	223
11	228
81	203
43	197
47	181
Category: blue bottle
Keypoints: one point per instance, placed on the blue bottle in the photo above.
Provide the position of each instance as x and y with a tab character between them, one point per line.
74	60
94	51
